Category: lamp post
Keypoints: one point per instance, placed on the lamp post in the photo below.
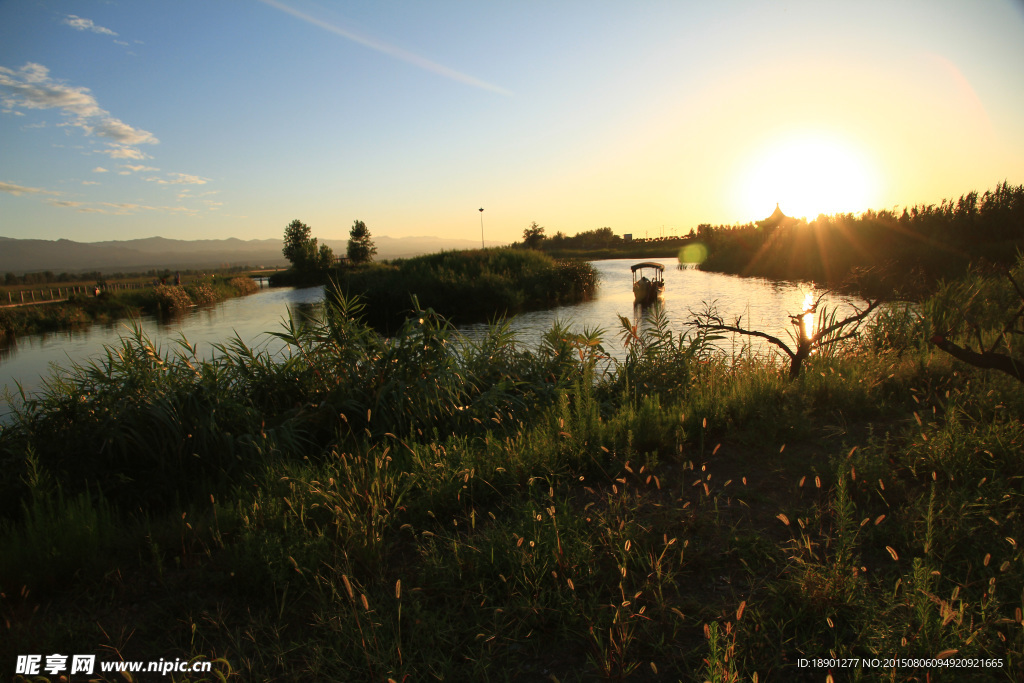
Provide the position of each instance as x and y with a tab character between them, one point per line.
482	229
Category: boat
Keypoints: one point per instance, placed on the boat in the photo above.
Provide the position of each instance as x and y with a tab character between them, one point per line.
646	289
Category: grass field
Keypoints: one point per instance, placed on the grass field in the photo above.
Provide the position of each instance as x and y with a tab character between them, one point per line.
425	508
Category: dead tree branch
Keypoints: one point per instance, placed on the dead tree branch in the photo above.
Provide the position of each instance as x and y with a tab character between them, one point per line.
806	343
989	359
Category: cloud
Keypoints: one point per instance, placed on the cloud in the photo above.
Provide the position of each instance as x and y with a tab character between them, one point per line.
138	168
180	179
122	152
100	169
390	50
86	25
18	190
90	182
119	209
31	87
121	132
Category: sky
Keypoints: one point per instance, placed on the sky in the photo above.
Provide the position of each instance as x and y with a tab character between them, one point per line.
193	119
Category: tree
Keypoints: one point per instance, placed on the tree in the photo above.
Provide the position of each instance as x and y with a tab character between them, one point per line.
300	246
827	333
325	258
360	246
533	236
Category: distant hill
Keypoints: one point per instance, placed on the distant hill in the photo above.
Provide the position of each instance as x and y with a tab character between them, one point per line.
23	256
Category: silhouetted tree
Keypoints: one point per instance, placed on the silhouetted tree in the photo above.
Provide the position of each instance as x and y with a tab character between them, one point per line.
325	258
360	246
533	236
827	332
300	246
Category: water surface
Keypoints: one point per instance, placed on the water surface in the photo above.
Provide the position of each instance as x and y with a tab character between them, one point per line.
764	305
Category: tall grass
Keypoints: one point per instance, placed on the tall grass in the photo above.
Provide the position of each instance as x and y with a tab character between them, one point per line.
422	506
468	285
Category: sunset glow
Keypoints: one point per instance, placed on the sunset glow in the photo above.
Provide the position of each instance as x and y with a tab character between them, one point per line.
131	120
809	175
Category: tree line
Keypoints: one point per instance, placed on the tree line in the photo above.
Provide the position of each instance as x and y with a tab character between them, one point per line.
877	252
306	256
883	251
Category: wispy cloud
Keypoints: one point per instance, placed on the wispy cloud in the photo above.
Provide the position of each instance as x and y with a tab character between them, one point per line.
123	152
120	209
31	87
138	168
64	203
86	25
180	179
390	50
100	169
18	190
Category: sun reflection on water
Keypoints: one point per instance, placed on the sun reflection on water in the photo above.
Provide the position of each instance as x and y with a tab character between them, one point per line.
807	317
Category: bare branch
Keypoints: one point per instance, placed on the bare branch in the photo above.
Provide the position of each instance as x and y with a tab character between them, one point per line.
751	333
986	359
872	305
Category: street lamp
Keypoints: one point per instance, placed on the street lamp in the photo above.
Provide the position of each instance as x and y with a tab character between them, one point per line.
482	229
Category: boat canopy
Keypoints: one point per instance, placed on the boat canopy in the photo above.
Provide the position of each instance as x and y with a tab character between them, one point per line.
648	264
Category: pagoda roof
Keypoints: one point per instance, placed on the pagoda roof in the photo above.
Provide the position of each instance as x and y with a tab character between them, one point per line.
777	218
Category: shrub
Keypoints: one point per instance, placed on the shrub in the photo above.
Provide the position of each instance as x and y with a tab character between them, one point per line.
244	285
172	299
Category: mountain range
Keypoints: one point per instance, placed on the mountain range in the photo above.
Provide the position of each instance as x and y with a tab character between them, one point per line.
29	255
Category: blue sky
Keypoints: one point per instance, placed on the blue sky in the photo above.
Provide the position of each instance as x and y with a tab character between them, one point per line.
192	120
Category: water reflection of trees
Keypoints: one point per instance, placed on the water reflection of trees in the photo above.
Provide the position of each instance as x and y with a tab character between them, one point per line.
8	346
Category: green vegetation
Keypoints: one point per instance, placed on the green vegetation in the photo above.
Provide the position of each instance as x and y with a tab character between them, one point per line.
878	252
80	310
424	507
467	285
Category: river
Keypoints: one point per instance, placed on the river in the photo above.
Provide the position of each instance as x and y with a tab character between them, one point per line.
764	305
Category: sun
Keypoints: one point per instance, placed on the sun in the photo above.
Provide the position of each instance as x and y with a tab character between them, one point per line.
806	175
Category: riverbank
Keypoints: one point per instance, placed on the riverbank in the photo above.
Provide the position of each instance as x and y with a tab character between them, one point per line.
640	248
373	508
82	309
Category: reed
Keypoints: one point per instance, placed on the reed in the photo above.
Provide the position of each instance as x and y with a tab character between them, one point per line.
368	508
468	285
